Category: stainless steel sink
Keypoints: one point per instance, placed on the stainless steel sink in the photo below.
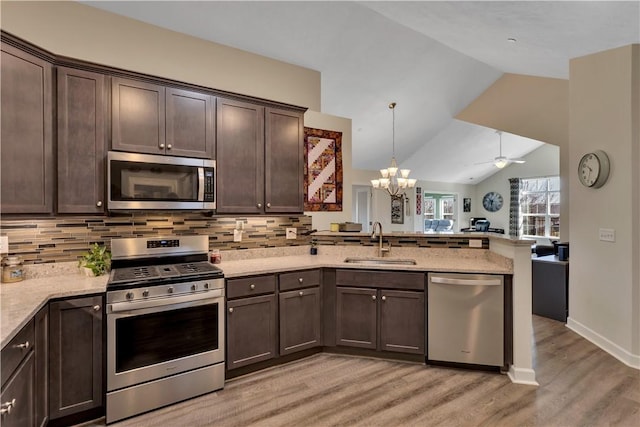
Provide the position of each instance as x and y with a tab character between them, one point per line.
381	261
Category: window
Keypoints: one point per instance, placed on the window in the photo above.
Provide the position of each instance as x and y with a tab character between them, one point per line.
429	208
540	207
438	206
446	207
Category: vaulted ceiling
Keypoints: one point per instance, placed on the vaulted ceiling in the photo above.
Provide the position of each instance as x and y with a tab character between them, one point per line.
432	58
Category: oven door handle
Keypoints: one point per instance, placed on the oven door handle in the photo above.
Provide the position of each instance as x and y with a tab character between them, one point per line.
118	307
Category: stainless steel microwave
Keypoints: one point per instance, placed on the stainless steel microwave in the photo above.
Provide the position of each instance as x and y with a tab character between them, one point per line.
148	181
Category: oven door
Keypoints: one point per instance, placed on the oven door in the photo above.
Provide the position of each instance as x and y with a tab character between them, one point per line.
148	340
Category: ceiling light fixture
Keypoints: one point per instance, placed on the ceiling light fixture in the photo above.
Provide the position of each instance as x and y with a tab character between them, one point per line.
390	180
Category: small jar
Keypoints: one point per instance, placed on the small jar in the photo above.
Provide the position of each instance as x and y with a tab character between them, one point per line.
215	257
12	270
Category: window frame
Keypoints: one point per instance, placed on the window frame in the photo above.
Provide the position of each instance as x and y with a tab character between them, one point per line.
548	216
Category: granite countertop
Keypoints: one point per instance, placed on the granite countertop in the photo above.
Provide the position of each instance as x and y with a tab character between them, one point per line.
20	301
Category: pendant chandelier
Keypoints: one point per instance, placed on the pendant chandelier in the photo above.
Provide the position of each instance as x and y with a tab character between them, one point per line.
390	180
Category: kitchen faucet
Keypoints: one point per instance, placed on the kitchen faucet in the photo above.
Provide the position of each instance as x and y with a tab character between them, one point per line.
381	250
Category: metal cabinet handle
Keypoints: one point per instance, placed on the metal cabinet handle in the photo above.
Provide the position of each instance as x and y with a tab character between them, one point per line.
384	298
268	205
230	309
99	203
259	205
169	147
24	346
161	146
300	280
6	407
96	308
252	286
373	297
300	293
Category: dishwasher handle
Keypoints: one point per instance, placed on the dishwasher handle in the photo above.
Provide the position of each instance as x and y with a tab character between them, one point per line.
466	282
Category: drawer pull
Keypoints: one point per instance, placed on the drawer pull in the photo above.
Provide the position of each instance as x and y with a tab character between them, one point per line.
268	205
96	308
99	203
252	286
384	298
300	293
161	146
24	346
373	297
6	407
259	205
169	147
300	280
230	309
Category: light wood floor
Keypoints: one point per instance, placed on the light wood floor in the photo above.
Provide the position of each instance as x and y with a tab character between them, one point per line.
580	385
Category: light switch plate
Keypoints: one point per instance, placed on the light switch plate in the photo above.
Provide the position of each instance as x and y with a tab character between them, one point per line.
237	235
4	244
607	234
291	233
475	243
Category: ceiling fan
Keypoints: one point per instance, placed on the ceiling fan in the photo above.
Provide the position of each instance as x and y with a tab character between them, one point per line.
501	161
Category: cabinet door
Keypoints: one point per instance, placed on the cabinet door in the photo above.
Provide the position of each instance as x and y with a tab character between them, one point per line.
26	131
18	396
284	161
356	317
251	330
190	124
299	320
81	141
76	356
239	157
42	367
402	321
137	116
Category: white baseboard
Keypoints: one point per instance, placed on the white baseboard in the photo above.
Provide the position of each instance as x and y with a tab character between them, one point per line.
629	359
522	376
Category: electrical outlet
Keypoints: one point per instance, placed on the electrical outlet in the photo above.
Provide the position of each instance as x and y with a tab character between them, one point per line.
291	233
475	243
607	234
4	244
237	235
239	225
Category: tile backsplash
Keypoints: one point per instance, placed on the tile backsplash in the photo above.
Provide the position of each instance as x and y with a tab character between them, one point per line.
64	239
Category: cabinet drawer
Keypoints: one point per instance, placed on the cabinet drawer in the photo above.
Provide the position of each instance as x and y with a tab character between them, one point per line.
380	279
299	279
250	286
16	350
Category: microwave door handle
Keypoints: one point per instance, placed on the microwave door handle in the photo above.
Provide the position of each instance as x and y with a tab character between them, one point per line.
201	184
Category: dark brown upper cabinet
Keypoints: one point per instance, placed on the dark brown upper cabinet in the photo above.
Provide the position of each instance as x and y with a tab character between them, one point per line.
260	159
239	157
26	151
284	161
149	118
82	141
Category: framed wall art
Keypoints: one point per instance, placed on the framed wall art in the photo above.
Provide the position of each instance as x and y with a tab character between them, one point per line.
397	210
466	204
322	170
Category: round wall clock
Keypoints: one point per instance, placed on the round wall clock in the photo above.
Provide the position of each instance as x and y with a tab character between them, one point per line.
593	169
492	201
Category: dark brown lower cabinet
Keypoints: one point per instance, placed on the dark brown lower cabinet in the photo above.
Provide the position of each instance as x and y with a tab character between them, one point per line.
42	367
300	320
76	356
17	396
252	333
380	319
402	321
356	317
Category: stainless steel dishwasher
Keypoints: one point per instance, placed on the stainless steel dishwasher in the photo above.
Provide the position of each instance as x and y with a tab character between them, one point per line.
465	321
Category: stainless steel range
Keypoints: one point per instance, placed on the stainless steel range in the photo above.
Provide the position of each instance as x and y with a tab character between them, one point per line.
165	324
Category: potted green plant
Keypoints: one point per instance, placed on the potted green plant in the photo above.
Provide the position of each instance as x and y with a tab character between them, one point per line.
314	249
96	262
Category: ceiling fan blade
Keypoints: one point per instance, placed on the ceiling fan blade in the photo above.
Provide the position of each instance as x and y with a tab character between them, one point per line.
485	163
517	160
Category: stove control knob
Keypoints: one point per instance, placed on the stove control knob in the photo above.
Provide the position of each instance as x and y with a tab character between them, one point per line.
145	293
194	287
170	289
129	296
206	285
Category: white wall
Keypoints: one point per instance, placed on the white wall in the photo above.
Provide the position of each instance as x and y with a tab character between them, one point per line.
84	32
314	119
604	282
544	161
